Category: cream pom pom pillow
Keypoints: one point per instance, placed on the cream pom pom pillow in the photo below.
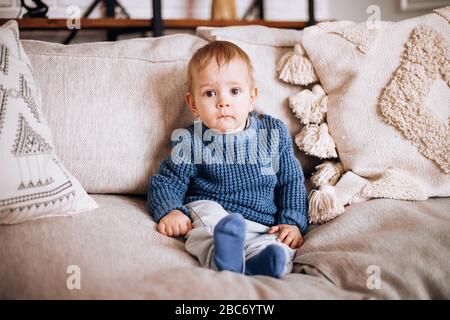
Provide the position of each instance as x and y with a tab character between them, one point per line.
388	104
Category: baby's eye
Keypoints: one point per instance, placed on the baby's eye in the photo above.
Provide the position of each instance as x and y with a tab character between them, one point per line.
235	91
210	93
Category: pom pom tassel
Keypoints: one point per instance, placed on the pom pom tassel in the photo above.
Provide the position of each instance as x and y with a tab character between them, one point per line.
295	68
327	173
310	106
324	205
315	140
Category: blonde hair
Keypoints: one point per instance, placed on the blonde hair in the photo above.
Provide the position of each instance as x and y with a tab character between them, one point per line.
221	51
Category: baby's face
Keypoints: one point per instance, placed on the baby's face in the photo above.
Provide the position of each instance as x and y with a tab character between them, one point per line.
222	96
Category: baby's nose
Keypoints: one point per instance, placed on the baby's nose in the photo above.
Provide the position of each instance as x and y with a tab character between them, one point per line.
223	103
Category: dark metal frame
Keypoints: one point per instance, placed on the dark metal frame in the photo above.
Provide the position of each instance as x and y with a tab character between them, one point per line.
156	24
311	13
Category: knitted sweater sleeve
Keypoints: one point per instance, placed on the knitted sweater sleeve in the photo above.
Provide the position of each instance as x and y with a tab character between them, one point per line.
290	192
168	187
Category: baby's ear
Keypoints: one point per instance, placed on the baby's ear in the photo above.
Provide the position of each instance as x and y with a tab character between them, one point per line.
254	94
189	98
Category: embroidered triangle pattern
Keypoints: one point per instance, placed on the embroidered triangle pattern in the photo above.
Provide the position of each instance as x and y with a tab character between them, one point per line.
29	142
4	58
402	102
25	92
38	184
28	211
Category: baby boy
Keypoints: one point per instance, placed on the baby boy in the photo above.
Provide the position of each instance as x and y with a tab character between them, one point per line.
232	185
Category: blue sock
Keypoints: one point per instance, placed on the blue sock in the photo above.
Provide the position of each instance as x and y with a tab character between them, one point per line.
229	238
269	262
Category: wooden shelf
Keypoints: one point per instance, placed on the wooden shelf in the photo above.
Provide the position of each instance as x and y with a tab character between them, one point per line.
113	23
193	23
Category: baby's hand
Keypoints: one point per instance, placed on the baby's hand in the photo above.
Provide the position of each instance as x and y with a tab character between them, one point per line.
288	234
174	224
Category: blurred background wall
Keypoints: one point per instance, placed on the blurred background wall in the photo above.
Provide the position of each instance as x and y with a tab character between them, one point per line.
278	10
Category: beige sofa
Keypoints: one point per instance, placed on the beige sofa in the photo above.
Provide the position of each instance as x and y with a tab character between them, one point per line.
111	108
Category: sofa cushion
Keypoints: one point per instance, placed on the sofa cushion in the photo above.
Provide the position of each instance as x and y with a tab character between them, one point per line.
115	252
118	254
265	46
385	249
112	106
253	34
34	183
113	248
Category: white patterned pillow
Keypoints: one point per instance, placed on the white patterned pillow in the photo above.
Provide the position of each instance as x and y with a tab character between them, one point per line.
34	184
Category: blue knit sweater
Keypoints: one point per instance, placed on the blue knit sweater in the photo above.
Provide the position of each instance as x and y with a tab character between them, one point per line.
253	172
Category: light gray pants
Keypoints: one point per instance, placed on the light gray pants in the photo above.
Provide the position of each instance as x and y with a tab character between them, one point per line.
200	242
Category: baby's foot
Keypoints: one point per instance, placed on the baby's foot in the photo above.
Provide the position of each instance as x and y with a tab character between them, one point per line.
229	238
269	262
